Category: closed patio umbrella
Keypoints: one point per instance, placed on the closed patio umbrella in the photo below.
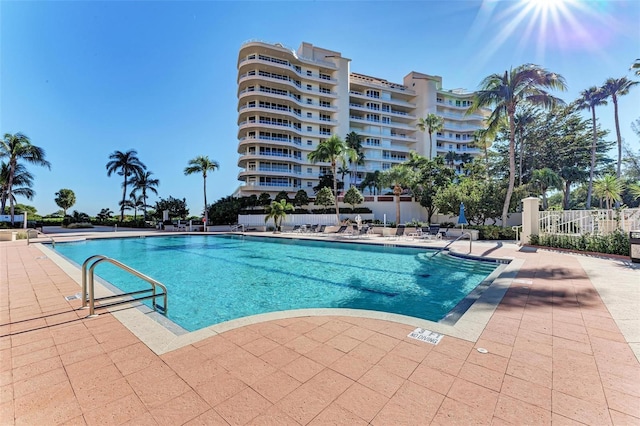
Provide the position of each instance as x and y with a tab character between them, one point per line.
461	219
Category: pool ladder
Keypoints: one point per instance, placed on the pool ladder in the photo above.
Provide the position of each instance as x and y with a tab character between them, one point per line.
88	281
451	242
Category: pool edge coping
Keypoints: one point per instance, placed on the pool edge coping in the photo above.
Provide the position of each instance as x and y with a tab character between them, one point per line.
161	340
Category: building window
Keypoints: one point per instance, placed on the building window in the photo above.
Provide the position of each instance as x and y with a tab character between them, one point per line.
309	170
309	87
309	101
309	72
309	184
309	115
309	142
309	129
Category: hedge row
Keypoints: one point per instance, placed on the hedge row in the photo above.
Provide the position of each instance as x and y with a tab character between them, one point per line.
614	243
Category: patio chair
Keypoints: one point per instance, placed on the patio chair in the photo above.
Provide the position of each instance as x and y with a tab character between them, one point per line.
434	231
297	229
321	229
399	233
341	230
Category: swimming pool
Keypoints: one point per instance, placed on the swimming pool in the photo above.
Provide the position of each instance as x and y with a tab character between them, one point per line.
212	279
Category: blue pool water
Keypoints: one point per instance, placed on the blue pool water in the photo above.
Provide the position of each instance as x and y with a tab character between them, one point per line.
211	279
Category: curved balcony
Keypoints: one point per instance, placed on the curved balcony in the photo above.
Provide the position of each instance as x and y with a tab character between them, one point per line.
271	156
266	94
271	111
263	64
280	53
248	141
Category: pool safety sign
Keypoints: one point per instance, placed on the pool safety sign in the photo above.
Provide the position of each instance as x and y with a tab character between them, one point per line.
426	336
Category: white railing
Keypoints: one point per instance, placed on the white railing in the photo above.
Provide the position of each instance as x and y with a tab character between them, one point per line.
577	222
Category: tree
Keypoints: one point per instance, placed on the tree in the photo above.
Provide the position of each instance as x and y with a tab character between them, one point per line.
372	182
343	170
282	195
523	120
331	151
590	99
399	177
278	212
202	164
104	215
18	147
354	141
613	88
525	83
125	164
264	199
353	197
482	139
325	198
22	182
144	183
431	176
65	199
636	66
451	158
543	180
176	207
431	123
301	198
609	189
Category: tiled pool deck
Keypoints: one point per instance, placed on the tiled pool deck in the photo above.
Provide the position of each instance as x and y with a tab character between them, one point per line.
560	350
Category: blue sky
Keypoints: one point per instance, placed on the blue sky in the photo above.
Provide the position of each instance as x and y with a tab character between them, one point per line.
83	79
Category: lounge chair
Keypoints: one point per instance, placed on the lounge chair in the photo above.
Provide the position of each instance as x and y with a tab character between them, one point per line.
321	229
434	231
341	230
297	228
365	230
399	233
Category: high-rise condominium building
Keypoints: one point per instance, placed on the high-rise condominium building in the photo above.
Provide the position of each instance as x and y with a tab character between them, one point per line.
289	101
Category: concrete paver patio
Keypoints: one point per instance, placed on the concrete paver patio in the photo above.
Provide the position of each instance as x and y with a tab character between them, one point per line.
556	354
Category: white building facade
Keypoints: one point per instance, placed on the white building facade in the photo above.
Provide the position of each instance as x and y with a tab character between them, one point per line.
291	100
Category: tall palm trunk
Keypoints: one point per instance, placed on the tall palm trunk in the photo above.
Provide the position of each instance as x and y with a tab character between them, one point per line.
593	157
334	169
512	165
206	212
124	197
397	191
430	145
615	112
12	167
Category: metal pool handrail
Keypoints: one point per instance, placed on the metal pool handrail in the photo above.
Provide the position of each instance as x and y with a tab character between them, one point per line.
99	258
451	242
53	242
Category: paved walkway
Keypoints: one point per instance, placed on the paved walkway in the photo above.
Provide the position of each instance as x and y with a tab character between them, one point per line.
555	355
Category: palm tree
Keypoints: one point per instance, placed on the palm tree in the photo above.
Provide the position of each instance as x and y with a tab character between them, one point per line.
126	164
525	83
613	88
104	214
65	199
22	183
17	147
202	164
523	119
399	177
636	66
590	99
483	139
609	188
342	171
451	158
354	141
144	183
431	123
331	151
278	211
543	180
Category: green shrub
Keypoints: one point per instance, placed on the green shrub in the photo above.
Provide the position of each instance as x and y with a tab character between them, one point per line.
80	225
614	243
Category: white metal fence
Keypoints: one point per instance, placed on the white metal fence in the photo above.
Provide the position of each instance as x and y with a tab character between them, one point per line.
576	222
